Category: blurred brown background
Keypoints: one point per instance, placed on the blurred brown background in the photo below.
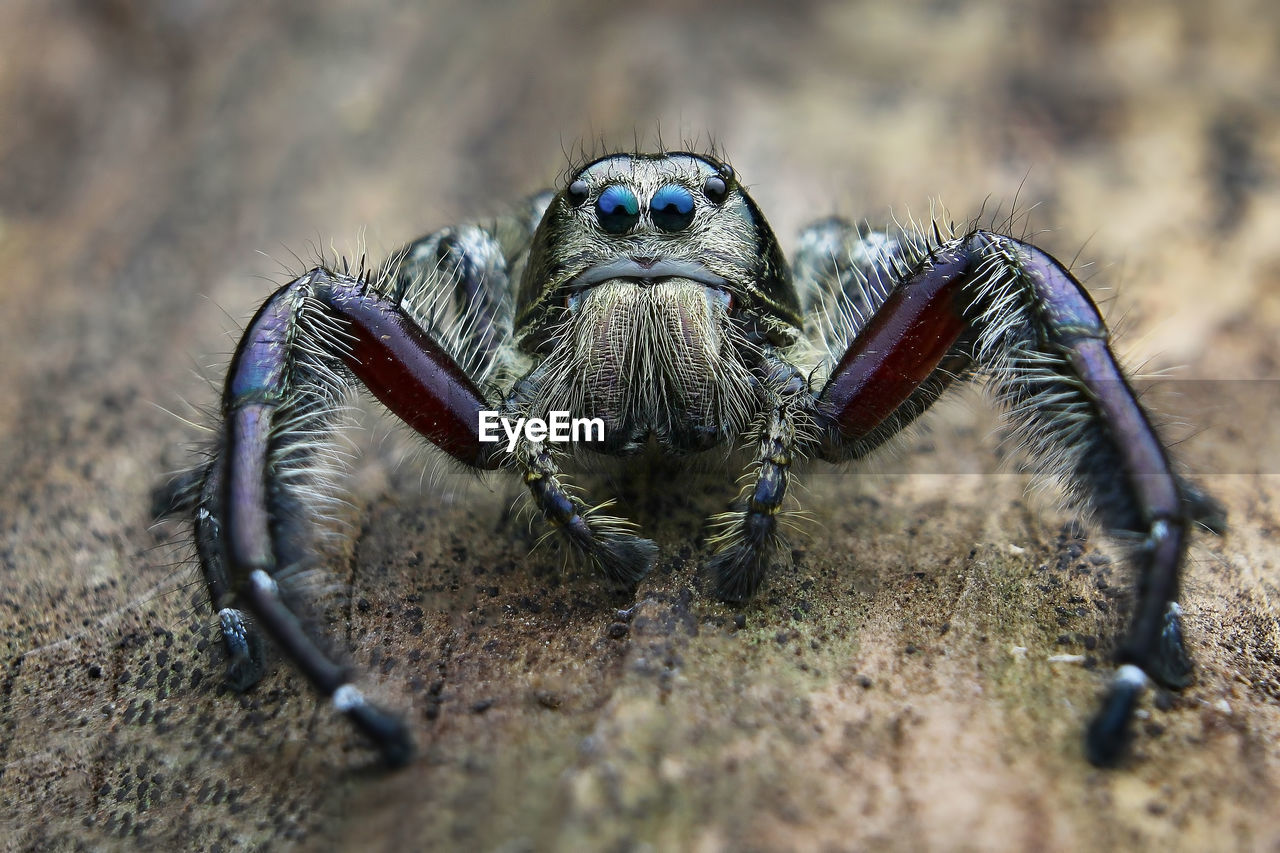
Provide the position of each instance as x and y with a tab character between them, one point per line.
160	163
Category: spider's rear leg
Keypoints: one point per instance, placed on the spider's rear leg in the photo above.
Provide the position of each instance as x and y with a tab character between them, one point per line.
843	272
197	492
456	283
1022	319
242	640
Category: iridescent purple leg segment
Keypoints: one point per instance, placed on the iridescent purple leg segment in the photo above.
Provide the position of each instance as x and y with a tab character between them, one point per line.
1018	316
370	338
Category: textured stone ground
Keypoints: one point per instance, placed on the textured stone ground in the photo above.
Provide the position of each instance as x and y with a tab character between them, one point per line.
161	163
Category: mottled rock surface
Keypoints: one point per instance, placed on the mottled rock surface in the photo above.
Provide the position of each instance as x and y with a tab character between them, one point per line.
162	163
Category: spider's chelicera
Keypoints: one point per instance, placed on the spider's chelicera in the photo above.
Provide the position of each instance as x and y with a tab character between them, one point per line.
649	297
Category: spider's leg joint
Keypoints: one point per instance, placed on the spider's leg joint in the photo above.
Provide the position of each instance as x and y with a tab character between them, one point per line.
347	697
264	582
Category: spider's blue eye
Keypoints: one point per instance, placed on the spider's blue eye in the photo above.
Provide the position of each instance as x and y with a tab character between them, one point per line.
617	209
672	207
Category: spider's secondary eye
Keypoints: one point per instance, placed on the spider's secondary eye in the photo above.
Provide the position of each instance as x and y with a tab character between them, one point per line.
672	208
617	209
715	189
578	192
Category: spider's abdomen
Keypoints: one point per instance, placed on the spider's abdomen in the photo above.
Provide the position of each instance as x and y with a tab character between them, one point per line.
654	360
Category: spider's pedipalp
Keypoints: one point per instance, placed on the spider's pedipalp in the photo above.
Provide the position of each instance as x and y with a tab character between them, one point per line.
747	540
605	542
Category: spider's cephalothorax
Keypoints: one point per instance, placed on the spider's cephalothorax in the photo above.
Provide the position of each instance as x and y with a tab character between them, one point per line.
651	285
650	295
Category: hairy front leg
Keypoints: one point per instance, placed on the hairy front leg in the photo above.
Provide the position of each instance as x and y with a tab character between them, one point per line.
1020	318
255	518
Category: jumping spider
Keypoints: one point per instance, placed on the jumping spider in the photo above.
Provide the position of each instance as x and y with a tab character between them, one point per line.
650	293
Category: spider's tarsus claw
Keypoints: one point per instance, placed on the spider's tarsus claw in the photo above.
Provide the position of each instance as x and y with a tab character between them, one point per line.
1171	666
178	495
243	672
389	733
1204	509
626	559
1110	733
739	571
386	730
245	659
